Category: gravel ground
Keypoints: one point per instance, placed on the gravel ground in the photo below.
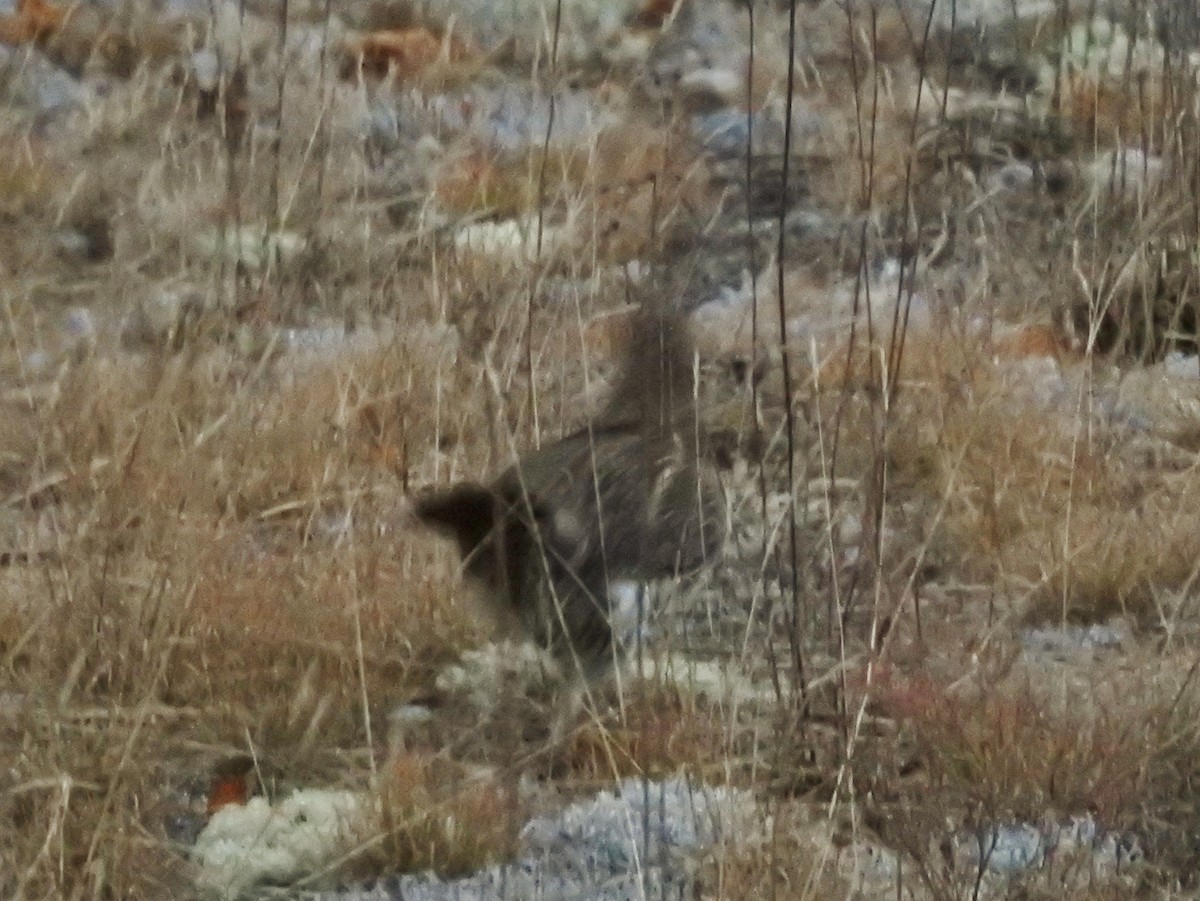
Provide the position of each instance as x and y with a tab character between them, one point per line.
634	842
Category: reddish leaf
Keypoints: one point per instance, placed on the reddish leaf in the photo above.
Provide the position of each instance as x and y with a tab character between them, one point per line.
34	20
406	51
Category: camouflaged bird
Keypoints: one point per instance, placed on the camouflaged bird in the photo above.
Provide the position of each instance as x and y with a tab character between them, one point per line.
563	539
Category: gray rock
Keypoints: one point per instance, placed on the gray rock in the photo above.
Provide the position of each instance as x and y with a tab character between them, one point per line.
1061	642
28	79
1009	849
79	330
633	842
1014	176
514	117
710	89
163	312
727	133
206	68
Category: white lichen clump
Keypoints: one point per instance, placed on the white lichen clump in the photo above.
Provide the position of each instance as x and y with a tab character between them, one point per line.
483	678
254	843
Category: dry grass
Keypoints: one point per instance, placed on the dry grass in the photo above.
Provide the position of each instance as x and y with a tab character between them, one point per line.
658	733
219	571
799	858
437	816
208	546
1011	755
1000	441
1030	498
1013	751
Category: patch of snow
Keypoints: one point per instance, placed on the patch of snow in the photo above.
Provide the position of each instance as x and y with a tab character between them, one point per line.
206	68
510	242
249	246
1006	848
1182	366
626	604
1128	172
1103	47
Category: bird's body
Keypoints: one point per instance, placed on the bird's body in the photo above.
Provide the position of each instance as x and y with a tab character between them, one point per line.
555	541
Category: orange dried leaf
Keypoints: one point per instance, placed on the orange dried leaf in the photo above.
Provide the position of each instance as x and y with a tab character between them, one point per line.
1031	341
607	333
1099	109
466	184
406	51
475	183
226	790
34	20
233	782
654	13
388	455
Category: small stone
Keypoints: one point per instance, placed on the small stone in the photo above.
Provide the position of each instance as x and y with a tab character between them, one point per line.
79	327
1126	172
206	69
1014	176
159	317
711	89
89	240
29	79
249	246
410	727
510	242
729	133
